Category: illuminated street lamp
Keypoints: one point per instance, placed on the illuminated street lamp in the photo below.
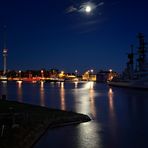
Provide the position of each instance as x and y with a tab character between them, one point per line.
91	71
76	72
110	77
42	73
19	74
91	75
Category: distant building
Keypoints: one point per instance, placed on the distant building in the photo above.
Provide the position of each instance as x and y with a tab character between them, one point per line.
88	76
104	76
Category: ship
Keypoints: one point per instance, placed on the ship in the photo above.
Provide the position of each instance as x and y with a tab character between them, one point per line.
135	75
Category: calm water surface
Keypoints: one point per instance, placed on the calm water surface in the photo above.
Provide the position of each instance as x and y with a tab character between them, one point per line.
119	115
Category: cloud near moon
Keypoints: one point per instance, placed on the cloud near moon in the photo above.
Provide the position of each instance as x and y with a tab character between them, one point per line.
82	7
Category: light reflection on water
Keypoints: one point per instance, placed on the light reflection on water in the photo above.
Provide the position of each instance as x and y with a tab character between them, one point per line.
4	88
89	137
110	97
20	91
62	96
85	98
76	84
112	114
42	94
119	116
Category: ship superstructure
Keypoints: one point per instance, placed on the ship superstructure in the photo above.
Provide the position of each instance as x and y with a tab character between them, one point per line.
142	61
135	74
139	68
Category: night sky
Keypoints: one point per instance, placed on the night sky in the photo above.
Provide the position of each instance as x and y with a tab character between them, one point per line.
60	34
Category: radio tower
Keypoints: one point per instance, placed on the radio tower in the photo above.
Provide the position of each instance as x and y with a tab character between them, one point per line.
5	53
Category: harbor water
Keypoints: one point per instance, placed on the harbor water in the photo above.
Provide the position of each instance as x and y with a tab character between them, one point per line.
119	115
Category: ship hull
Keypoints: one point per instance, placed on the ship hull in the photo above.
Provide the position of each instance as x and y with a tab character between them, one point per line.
129	84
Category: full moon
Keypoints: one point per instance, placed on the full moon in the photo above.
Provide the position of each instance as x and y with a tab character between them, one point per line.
88	9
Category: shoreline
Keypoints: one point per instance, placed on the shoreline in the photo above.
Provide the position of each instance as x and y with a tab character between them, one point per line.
31	122
56	126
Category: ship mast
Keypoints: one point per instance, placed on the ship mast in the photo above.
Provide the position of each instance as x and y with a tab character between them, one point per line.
130	63
141	52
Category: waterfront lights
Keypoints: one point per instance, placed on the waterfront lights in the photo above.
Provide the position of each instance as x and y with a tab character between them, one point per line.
61	74
110	75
